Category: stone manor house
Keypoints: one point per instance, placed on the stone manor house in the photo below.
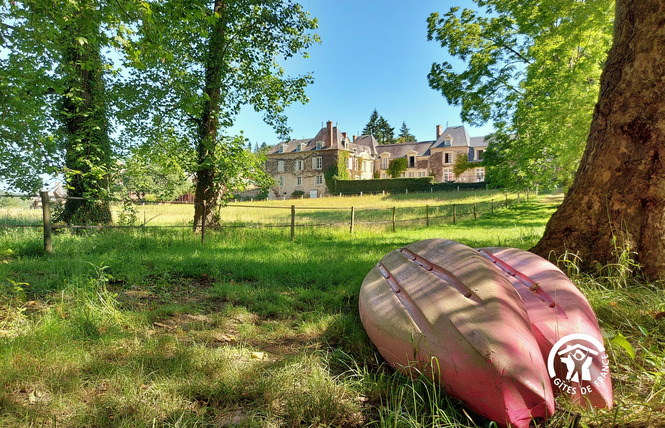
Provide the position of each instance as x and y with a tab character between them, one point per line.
299	165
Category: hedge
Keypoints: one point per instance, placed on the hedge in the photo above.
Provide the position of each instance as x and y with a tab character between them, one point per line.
399	185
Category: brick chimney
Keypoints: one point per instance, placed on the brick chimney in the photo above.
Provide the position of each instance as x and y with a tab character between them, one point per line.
439	131
344	135
330	132
354	139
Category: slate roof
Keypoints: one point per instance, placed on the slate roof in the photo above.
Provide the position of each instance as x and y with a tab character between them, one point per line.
478	142
460	138
400	150
367	141
292	146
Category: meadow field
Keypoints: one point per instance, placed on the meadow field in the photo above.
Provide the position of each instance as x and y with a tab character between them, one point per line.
146	327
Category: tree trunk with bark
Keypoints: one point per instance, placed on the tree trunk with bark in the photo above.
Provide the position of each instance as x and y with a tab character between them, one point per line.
208	190
617	199
88	148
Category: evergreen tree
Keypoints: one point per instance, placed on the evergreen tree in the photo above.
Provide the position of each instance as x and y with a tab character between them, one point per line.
370	128
405	135
384	132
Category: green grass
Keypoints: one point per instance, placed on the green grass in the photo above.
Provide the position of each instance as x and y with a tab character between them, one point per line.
146	327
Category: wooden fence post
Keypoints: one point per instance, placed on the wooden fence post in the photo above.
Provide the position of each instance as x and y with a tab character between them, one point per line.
518	196
293	222
454	213
203	224
394	215
475	213
427	215
492	206
46	214
353	219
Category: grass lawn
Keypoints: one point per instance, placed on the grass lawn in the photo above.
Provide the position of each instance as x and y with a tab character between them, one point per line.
146	327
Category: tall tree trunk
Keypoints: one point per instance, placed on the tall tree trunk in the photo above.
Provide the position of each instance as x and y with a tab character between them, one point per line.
208	190
88	150
617	200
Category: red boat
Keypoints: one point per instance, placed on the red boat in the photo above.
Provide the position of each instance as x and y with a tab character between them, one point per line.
440	308
557	309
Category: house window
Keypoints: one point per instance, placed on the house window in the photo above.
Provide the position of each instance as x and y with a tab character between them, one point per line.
412	161
411	174
421	174
480	154
447	158
349	163
281	181
317	162
319	179
299	165
298	181
319	144
280	166
480	174
448	174
385	162
447	142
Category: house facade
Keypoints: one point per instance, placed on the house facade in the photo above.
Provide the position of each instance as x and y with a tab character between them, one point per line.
299	165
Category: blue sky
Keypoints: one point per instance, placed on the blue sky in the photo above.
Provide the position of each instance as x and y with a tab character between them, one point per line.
373	54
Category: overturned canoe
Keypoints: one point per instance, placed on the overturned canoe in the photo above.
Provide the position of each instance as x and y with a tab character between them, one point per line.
441	308
557	310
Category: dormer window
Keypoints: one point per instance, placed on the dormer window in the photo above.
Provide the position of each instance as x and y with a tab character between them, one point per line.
302	147
283	148
319	144
412	161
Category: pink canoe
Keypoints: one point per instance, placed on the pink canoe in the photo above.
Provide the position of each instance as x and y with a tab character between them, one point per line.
557	309
442	308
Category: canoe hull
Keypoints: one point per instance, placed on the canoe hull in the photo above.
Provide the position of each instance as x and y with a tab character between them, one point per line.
557	309
440	308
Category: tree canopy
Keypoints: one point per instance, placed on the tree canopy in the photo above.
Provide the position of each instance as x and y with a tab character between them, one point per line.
214	59
533	69
53	87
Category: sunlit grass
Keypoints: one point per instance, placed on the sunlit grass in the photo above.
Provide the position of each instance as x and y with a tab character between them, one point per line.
143	327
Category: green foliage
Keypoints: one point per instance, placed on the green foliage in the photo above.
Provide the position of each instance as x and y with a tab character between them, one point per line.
533	68
337	172
400	185
379	128
297	194
462	164
396	185
129	213
55	103
397	167
405	135
156	173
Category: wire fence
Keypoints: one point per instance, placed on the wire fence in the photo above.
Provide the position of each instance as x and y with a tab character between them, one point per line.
31	211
